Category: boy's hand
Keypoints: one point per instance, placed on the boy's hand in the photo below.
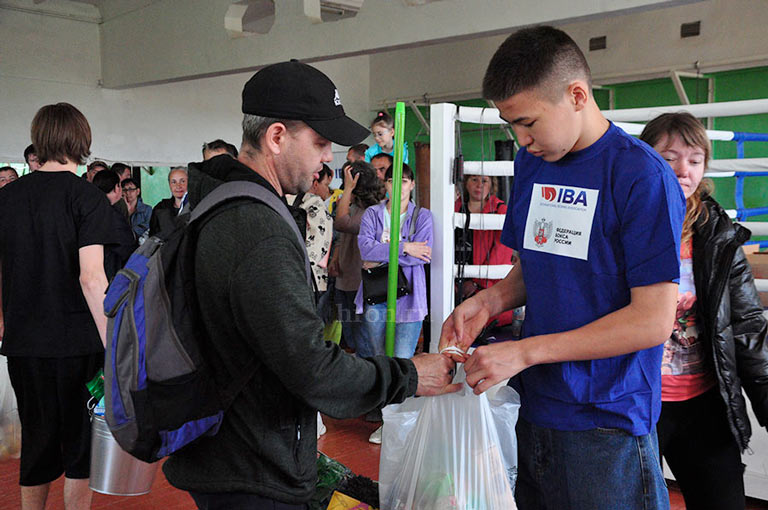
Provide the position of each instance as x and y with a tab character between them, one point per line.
463	325
490	364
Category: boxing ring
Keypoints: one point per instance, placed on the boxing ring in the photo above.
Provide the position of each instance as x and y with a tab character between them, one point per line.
444	177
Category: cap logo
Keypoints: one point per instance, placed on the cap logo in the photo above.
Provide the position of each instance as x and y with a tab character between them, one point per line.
336	97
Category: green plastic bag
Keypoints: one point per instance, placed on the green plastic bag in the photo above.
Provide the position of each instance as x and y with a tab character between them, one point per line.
330	474
332	332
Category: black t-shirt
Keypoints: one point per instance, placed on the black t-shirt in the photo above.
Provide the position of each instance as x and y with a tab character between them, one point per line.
116	255
47	218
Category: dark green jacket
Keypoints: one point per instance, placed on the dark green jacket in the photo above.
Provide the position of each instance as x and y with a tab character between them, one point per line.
255	302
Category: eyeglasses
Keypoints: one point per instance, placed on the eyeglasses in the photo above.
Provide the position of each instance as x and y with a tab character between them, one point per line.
129	190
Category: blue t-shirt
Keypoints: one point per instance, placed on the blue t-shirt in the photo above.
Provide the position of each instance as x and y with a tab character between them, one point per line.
376	149
589	228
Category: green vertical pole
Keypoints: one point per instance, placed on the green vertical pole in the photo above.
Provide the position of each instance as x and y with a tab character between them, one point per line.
394	231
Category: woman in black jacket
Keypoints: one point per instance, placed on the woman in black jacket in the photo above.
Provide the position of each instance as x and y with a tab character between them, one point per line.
718	344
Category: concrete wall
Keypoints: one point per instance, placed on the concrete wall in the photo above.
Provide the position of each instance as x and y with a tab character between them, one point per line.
640	45
46	60
187	38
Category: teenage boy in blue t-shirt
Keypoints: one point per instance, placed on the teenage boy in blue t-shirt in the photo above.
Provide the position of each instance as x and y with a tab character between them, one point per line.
596	217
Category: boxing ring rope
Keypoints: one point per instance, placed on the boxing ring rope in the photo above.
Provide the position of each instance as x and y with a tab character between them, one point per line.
442	188
701	110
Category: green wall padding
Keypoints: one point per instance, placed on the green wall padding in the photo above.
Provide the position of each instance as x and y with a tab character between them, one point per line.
154	184
477	141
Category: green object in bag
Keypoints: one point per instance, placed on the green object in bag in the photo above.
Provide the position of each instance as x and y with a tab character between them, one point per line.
330	474
96	386
332	332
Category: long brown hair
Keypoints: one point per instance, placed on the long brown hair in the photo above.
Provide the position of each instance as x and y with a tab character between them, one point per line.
693	134
60	132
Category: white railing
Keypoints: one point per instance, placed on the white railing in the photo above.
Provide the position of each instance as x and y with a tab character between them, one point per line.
442	190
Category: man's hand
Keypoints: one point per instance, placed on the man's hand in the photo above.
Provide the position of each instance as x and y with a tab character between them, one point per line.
435	374
463	325
489	365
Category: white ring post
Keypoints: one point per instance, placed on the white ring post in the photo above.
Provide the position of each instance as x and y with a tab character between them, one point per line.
441	203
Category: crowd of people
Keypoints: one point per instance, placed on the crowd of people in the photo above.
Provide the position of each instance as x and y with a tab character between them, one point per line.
638	250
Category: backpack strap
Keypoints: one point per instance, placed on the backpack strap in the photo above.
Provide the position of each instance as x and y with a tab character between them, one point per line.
414	217
246	189
298	199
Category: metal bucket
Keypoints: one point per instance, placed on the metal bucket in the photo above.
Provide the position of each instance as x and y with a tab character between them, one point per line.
114	471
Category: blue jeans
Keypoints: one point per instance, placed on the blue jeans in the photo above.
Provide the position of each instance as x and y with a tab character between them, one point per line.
375	324
599	469
355	335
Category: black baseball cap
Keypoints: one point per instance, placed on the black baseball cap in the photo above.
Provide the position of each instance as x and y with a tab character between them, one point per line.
296	91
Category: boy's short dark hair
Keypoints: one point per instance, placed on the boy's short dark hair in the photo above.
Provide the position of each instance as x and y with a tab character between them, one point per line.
220	144
106	181
407	173
541	57
389	157
8	169
359	149
60	132
29	150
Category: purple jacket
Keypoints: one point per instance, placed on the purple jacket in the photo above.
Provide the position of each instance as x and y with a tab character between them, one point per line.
413	307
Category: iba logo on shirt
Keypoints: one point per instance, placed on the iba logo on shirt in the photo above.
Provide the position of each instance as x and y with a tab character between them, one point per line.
565	195
560	219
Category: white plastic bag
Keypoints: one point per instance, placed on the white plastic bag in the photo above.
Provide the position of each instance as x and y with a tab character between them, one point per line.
456	451
10	427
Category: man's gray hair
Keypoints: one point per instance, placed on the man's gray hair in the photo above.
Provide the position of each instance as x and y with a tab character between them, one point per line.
254	127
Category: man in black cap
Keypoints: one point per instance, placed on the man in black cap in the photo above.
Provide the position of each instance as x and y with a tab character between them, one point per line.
255	303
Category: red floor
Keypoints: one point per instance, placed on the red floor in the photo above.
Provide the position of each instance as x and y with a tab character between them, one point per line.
345	441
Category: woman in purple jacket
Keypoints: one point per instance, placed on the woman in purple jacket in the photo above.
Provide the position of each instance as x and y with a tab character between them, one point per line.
373	241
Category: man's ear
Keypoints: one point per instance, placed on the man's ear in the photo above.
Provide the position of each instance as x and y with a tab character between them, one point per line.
578	94
274	137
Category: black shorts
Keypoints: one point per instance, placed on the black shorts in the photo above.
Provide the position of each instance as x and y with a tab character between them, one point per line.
55	425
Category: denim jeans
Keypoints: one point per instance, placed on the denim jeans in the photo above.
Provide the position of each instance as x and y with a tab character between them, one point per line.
352	329
599	469
375	324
